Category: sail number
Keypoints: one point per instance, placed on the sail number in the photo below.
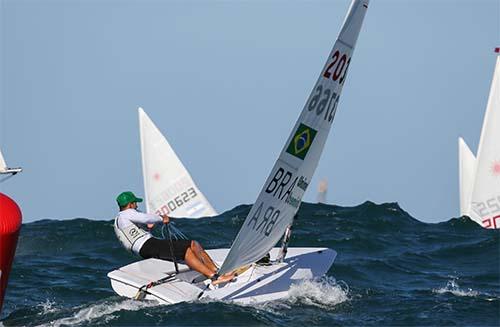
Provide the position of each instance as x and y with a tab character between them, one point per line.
177	202
337	70
488	207
481	208
492	222
324	101
266	224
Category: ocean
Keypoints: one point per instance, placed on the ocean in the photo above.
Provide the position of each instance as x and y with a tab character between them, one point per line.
391	269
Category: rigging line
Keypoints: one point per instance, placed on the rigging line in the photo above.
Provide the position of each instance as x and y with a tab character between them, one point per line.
172	250
177	231
174	230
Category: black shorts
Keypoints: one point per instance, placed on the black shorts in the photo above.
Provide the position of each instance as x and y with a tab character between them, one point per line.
160	249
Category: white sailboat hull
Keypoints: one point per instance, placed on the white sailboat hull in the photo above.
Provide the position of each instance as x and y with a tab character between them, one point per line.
257	284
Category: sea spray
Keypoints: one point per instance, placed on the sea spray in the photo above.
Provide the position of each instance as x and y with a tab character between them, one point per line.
452	287
322	292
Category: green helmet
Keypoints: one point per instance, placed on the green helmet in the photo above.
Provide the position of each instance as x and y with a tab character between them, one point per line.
127	197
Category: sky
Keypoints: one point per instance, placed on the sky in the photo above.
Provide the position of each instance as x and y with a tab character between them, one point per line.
225	82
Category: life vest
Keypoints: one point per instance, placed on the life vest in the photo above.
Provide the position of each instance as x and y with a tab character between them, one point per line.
129	235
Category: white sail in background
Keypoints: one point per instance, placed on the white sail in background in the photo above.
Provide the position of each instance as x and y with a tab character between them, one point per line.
322	191
485	199
6	170
168	187
3	165
282	193
467	165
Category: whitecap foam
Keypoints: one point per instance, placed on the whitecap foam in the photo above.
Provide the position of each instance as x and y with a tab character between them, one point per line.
453	288
102	310
47	307
322	292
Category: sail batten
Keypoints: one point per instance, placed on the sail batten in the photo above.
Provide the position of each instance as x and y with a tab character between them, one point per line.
169	188
283	190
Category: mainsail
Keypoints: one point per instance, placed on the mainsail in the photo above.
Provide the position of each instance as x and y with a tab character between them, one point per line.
282	193
467	165
6	170
168	187
485	198
3	165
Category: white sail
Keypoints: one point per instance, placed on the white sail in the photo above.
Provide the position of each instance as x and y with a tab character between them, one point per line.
282	193
485	199
168	187
3	165
467	165
6	170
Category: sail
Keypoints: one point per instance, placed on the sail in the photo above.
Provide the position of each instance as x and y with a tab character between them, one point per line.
6	170
485	199
3	165
467	164
282	193
168	187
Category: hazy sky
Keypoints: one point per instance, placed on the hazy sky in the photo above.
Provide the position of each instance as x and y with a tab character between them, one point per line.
225	81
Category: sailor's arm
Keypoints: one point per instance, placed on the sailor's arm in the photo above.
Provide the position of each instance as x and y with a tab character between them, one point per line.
145	218
165	218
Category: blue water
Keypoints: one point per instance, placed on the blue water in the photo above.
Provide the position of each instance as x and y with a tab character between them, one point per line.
391	269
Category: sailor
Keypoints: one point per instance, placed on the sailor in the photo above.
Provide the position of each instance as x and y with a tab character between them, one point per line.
129	228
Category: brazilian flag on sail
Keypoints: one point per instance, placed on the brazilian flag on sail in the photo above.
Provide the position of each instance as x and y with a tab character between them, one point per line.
301	141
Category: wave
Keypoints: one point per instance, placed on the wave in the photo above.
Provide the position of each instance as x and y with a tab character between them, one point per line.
324	292
105	310
452	287
385	256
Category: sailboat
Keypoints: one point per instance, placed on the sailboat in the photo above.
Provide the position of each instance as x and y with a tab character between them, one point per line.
467	165
271	216
168	187
480	176
6	170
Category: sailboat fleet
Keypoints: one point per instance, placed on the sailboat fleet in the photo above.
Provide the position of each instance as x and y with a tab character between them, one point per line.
479	176
169	189
271	217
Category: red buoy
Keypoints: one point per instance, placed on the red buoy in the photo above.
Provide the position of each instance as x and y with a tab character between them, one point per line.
10	224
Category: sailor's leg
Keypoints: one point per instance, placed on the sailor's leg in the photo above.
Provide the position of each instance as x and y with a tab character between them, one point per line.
195	263
203	256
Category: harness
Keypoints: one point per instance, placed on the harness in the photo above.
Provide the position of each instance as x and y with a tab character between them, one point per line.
129	235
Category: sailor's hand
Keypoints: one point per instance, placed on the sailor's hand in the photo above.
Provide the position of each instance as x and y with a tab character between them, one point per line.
165	218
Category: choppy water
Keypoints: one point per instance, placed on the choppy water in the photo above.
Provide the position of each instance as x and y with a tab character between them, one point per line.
391	270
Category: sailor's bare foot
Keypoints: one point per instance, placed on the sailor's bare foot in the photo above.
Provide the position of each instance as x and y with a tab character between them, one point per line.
224	279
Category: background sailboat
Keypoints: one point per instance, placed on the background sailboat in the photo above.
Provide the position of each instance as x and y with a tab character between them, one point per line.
6	170
483	185
168	186
467	167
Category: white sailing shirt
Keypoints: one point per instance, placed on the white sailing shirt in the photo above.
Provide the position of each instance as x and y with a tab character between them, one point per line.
127	221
